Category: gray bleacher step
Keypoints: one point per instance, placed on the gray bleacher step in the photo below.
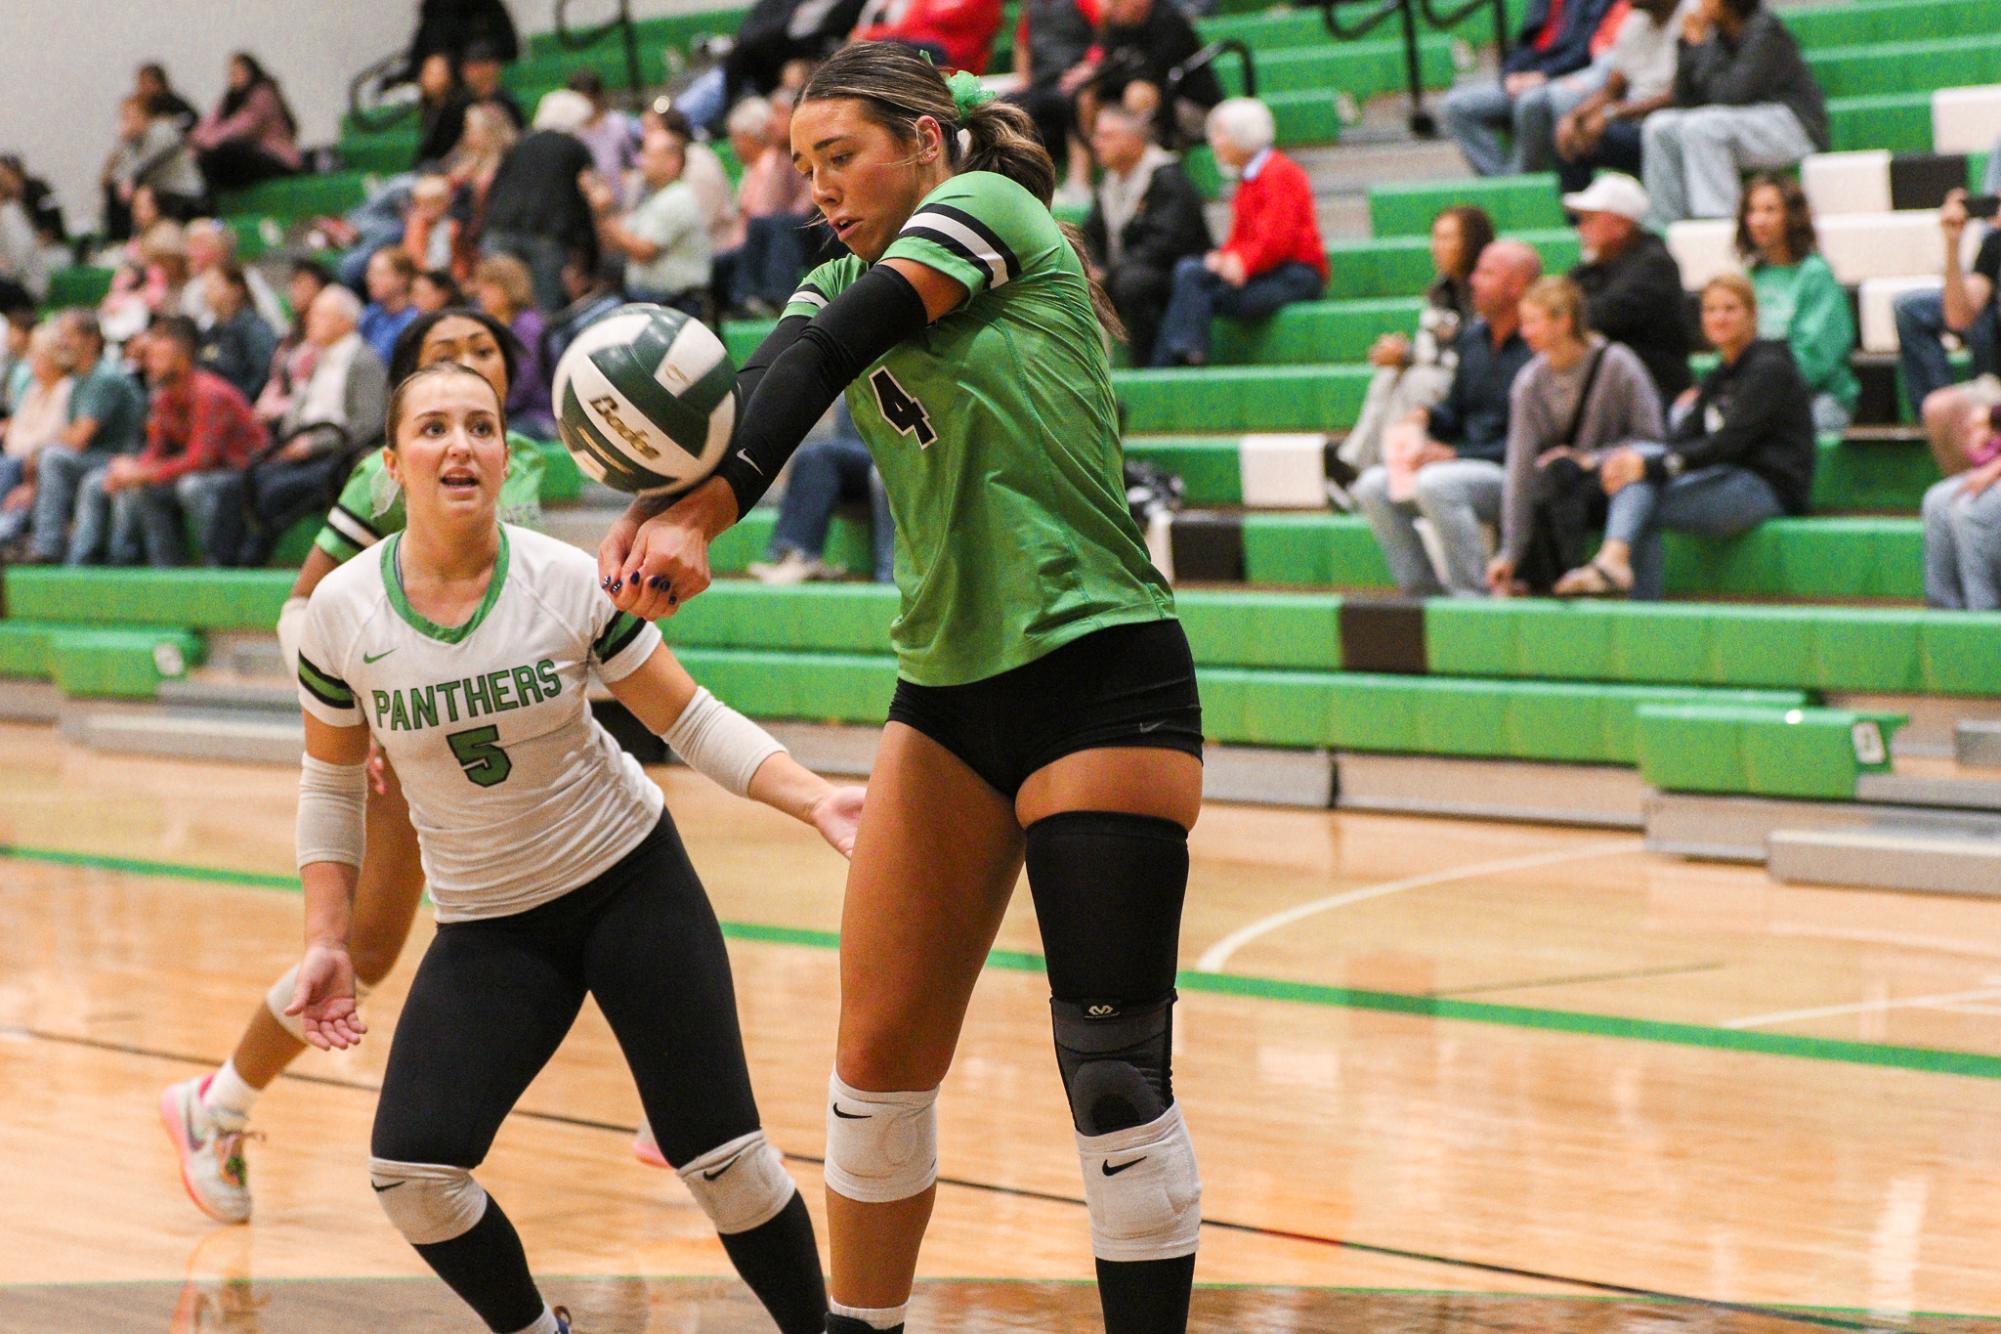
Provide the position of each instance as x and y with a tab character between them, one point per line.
1887	859
1602	796
30	701
231	698
1739	829
1977	745
188	734
1959	794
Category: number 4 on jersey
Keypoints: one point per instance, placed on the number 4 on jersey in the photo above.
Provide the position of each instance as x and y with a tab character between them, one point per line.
899	409
478	752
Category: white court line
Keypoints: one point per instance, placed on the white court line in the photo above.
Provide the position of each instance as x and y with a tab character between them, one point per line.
1864	1007
1217	955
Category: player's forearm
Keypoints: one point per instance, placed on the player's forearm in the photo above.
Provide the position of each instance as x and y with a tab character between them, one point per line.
329	902
784	784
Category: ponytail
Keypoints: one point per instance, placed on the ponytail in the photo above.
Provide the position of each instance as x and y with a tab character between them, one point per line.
897	86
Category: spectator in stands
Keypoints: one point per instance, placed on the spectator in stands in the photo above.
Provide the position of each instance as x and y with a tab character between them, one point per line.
152	84
1743	99
760	268
1555	40
1415	373
1800	302
773	36
1444	463
24	259
389	310
250	135
502	288
151	152
38	418
435	289
474	163
663	238
610	134
1146	217
1968	306
430	233
1741	452
452	29
339	409
1141	43
1603	131
956	34
155	283
824	473
1052	45
44	210
107	414
237	344
1963	524
211	245
1273	256
292	362
1580	395
21	318
441	110
703	172
536	210
592	284
197	425
1630	279
479	73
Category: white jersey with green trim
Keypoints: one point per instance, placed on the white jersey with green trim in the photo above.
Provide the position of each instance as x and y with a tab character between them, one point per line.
517	794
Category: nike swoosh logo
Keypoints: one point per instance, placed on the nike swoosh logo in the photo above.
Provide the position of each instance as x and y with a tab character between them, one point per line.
391	1186
1111	1171
744	454
378	657
1144	727
850	1116
711	1176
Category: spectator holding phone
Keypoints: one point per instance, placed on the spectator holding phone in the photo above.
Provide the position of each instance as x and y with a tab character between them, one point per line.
1965	306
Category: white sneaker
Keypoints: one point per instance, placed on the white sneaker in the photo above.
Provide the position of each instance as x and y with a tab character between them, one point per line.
794	567
212	1166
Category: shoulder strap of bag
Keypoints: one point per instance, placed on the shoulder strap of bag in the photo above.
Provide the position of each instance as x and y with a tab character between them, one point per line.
1584	396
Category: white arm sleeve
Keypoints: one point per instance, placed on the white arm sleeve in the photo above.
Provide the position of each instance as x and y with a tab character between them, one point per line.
291	624
718	742
333	806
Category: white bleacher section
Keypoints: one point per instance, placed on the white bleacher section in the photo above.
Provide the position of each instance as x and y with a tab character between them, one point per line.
1283	471
1966	120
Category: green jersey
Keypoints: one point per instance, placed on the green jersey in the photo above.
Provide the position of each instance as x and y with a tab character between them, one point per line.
997	437
370	507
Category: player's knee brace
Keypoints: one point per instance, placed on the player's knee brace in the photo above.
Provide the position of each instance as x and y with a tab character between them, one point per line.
881	1147
428	1202
1143	1190
1116	1061
740	1185
280	996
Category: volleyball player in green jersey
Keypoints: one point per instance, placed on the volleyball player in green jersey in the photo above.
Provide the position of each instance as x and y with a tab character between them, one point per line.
205	1116
1046	706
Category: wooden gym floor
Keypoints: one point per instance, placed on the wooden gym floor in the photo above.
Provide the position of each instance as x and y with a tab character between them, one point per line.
1442	1075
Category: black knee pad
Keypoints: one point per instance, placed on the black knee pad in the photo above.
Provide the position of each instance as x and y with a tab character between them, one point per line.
1108	889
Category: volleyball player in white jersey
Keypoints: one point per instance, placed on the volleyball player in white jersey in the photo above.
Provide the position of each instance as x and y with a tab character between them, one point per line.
464	647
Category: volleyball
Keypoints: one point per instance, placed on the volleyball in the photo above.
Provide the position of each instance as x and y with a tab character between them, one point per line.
646	400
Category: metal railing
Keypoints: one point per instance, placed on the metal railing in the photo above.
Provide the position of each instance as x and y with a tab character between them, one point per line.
1408	12
367	105
1169	127
579	38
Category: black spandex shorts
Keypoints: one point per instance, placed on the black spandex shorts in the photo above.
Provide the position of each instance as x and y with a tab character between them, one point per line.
1129	685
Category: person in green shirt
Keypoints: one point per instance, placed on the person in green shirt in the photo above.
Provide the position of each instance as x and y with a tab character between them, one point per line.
1046	706
1800	302
391	880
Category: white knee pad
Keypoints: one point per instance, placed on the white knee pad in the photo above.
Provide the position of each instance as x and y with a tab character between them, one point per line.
280	995
428	1202
1143	1191
881	1147
740	1185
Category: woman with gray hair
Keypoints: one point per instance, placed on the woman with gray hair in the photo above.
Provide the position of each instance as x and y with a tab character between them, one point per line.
40	414
1273	256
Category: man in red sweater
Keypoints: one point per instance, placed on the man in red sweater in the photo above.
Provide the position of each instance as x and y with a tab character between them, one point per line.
1274	255
958	34
199	424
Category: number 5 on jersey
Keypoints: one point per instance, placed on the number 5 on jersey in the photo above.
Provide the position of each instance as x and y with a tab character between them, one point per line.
479	754
900	410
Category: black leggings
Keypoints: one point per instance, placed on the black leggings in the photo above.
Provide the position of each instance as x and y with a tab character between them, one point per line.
493	999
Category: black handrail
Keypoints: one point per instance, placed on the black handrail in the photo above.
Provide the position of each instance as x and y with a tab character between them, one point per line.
1407	12
577	39
1170	94
364	94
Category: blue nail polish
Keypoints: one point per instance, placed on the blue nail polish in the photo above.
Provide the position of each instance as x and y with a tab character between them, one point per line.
617	584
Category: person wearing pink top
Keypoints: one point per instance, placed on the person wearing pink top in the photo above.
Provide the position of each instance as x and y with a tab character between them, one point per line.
760	268
250	135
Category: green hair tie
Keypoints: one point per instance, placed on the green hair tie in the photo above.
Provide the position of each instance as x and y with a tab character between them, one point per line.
968	92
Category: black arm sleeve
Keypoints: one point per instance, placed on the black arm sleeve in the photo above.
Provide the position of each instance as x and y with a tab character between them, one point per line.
861	324
751	373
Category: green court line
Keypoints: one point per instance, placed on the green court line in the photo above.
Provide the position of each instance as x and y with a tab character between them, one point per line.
1924	1060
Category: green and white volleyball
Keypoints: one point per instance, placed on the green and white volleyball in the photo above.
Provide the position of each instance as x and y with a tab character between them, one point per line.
646	400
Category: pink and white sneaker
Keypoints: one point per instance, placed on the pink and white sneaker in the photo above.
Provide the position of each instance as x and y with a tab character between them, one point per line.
212	1166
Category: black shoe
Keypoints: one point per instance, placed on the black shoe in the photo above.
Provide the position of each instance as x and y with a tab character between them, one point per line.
1340	477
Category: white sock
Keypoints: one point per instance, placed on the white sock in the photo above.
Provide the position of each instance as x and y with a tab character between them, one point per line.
875	1317
546	1324
228	1099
